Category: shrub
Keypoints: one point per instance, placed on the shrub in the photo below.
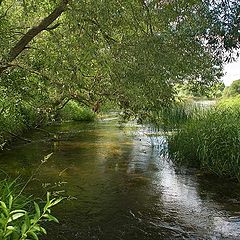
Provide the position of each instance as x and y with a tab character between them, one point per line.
74	111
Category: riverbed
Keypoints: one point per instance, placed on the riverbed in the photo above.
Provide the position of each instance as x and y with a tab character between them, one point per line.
120	186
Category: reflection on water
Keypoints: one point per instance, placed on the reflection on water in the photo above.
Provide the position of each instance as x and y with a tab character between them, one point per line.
122	188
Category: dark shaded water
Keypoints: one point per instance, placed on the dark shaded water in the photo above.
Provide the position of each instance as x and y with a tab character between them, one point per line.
121	188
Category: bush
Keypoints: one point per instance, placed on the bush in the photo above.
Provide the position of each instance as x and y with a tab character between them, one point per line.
74	111
210	140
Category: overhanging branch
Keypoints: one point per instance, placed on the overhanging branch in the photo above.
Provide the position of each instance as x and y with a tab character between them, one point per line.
32	33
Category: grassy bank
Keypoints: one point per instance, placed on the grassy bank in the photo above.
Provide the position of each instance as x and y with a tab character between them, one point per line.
210	139
17	117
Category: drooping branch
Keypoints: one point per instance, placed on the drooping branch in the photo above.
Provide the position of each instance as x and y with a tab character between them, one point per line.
32	33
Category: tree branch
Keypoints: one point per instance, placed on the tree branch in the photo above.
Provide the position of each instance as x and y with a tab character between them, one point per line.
32	33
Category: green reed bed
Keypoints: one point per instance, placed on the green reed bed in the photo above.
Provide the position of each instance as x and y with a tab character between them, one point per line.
210	140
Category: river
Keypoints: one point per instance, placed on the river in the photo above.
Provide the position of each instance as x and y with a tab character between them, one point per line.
120	187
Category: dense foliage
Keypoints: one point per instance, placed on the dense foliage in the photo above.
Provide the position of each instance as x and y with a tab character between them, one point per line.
233	90
129	52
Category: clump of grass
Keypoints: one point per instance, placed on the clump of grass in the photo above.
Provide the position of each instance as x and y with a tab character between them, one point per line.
176	115
210	140
74	111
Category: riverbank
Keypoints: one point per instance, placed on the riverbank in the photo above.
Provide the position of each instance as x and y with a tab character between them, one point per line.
17	120
209	139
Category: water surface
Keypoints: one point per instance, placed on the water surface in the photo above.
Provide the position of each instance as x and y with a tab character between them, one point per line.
120	186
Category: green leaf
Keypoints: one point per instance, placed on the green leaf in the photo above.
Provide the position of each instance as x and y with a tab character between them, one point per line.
47	157
10	201
48	197
51	218
12	228
15	216
43	230
54	202
8	233
24	228
33	234
38	212
17	211
27	220
4	208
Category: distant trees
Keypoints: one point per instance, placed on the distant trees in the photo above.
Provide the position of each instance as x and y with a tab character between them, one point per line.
233	90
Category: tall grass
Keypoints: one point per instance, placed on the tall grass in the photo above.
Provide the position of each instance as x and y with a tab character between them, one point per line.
176	115
210	140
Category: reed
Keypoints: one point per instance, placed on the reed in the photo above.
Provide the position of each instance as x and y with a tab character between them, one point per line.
210	140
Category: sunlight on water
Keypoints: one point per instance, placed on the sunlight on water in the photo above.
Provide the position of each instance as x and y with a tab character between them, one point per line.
122	188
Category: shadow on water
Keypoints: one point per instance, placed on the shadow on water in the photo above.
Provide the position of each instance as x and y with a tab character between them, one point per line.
122	188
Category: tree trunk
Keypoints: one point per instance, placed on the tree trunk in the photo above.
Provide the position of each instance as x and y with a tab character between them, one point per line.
32	33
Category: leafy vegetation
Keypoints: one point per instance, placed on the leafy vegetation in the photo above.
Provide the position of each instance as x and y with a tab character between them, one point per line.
17	221
233	90
132	53
73	111
210	139
21	217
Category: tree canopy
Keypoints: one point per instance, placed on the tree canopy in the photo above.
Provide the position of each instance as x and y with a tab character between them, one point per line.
132	52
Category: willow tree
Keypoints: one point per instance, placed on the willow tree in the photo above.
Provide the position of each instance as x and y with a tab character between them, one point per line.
132	52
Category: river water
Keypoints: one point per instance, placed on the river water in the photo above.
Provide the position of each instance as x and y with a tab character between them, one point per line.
120	187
